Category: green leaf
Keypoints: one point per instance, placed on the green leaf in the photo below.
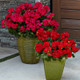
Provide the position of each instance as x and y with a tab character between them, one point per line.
48	38
54	59
24	35
75	45
73	55
45	56
19	33
42	56
59	40
37	57
48	59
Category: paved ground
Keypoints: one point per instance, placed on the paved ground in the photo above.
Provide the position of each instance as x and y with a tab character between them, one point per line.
14	69
72	68
4	52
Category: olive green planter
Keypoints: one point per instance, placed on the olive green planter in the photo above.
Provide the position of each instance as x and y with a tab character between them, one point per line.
26	50
54	69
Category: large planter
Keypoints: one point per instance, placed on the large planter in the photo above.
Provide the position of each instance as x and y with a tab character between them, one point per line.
26	50
54	69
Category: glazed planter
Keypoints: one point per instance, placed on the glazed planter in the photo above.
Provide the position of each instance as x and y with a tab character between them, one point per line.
26	50
54	69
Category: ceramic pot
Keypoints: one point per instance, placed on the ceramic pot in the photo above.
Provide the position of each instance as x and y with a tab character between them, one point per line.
54	69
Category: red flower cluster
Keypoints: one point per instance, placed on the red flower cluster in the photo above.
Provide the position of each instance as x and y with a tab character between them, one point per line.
26	17
64	35
38	47
55	45
42	35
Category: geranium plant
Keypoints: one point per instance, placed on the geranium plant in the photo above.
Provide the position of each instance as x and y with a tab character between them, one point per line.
55	46
27	19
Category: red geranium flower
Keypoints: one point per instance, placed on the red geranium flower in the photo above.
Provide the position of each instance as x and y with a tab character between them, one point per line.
38	5
22	29
47	49
50	16
46	22
10	10
42	35
3	23
69	53
55	44
64	35
54	35
39	47
46	44
75	49
57	53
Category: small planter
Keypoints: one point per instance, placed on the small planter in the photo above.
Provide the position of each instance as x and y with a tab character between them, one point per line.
54	48
54	69
26	50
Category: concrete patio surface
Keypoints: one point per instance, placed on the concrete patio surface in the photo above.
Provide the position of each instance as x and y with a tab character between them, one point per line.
4	52
14	69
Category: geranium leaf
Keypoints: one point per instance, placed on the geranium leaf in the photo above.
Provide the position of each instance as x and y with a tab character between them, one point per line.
73	55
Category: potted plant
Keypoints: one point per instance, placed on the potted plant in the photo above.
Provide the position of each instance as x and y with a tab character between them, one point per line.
23	22
54	49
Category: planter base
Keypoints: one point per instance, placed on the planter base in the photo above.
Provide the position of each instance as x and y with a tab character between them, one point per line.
29	62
